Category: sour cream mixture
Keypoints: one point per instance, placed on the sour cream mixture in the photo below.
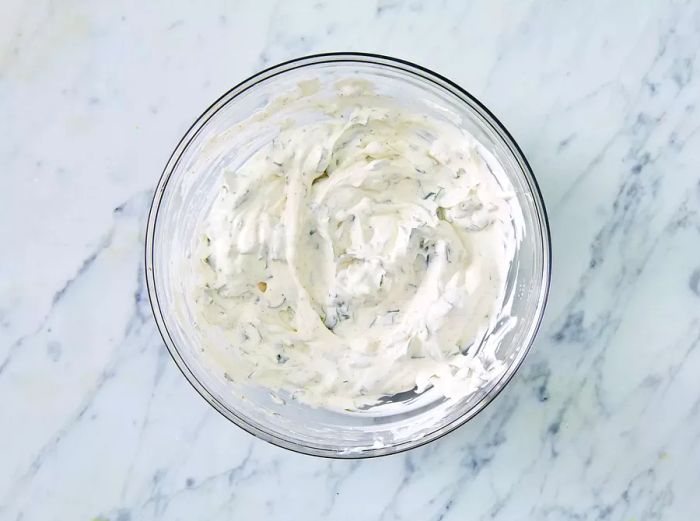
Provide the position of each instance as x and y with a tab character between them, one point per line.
357	255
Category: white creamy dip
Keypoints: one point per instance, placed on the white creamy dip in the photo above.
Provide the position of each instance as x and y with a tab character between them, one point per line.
357	255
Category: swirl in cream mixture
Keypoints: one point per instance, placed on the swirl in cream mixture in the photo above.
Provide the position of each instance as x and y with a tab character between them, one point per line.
358	255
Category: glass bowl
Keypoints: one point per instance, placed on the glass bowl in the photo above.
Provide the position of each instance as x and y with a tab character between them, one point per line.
185	193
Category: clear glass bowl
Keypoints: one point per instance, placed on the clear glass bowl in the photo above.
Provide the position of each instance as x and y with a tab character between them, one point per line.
185	193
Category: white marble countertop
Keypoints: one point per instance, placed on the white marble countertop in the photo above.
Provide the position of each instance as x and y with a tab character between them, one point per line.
601	422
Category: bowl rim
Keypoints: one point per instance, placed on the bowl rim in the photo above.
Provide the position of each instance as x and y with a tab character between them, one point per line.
406	67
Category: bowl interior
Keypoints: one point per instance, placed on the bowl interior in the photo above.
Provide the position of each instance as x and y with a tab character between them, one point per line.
229	133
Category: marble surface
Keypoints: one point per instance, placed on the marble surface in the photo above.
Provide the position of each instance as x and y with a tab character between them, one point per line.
602	421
